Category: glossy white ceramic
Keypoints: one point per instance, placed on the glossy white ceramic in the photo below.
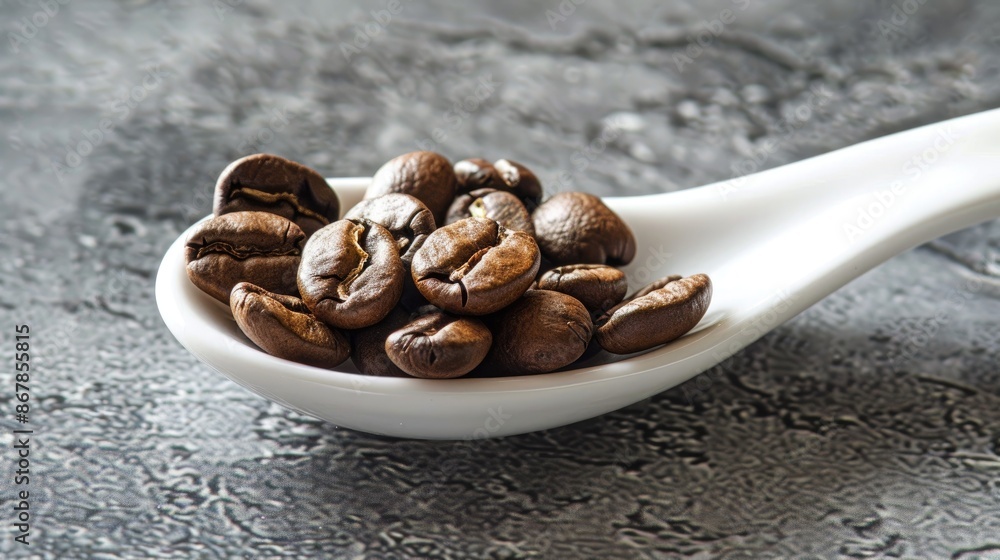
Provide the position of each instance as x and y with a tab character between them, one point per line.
773	243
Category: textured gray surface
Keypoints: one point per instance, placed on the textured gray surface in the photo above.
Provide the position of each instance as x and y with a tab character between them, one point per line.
867	427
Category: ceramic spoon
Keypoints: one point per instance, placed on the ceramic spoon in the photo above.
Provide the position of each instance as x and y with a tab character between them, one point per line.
773	243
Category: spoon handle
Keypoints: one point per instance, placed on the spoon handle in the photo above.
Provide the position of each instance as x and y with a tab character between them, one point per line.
926	182
886	195
776	242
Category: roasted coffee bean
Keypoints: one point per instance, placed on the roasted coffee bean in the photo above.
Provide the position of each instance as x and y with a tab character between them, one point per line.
407	219
506	175
367	272
438	345
520	181
270	183
500	206
459	209
351	275
427	176
658	317
476	173
257	247
599	287
368	345
283	326
412	299
475	266
541	332
652	286
575	227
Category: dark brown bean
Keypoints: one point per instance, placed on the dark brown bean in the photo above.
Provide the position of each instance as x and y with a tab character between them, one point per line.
283	326
368	345
520	181
270	183
476	173
427	176
407	219
438	345
475	266
599	287
500	206
257	247
411	299
351	275
459	209
575	227
656	285
541	332
505	175
658	317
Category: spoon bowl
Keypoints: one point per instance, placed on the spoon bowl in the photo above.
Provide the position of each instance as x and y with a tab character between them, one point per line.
773	243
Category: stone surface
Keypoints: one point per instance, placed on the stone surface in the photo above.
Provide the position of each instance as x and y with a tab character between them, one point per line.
869	426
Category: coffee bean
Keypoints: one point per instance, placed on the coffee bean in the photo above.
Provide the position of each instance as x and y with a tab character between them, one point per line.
500	206
427	176
368	345
438	345
475	266
367	272
505	175
656	285
351	275
283	326
476	173
407	219
270	183
459	209
541	332
575	227
257	247
520	181
598	287
658	317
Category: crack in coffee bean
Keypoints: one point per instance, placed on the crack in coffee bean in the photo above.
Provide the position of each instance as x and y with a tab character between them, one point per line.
351	275
271	183
406	217
242	252
475	266
257	247
275	198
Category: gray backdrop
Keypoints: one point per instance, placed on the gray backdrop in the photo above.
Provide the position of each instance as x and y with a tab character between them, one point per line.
866	427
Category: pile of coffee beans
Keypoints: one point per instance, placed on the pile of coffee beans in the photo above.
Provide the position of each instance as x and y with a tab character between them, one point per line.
441	271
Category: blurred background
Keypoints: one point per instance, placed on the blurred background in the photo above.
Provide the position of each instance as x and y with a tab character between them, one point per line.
867	427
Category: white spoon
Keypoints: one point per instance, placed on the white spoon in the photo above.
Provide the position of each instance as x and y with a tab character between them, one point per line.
773	243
